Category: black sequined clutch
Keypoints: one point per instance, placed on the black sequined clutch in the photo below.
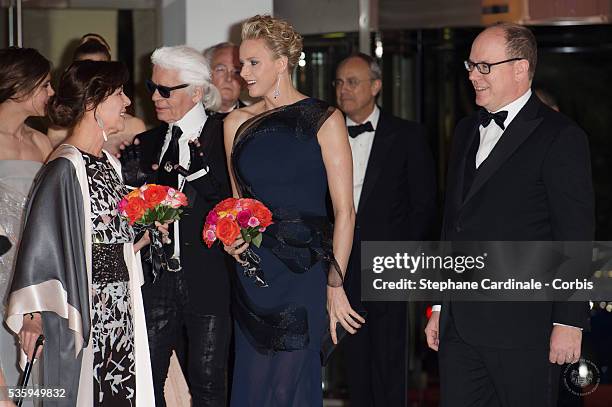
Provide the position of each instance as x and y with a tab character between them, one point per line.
327	345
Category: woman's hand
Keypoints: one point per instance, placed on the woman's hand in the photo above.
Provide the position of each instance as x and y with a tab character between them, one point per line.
236	249
163	229
146	239
30	331
340	310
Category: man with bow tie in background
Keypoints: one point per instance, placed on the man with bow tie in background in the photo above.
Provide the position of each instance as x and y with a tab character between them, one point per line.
518	171
394	192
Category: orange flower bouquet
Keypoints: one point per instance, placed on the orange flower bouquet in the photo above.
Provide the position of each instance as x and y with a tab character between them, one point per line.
152	203
149	204
244	217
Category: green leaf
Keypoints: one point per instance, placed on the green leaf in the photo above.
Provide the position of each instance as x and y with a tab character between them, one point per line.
257	240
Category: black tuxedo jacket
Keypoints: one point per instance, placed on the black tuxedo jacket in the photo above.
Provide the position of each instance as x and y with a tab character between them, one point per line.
534	186
398	198
206	270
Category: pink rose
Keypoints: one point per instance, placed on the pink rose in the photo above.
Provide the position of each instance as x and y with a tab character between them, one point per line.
121	206
212	218
253	221
244	218
210	235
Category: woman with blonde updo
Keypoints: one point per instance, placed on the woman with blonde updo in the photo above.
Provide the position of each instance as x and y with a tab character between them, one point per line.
286	151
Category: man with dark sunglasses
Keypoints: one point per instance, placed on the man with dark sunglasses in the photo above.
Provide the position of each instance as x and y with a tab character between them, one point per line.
187	304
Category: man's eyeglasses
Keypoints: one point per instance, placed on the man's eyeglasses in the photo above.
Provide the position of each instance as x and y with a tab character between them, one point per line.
164	91
351	83
222	71
484	67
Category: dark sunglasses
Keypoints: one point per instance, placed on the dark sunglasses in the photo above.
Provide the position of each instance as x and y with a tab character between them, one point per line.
164	91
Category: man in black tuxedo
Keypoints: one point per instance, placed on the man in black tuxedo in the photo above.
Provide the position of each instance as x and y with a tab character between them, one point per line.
225	66
518	171
192	295
394	191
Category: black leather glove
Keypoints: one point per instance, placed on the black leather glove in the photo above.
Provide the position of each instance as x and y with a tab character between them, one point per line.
131	166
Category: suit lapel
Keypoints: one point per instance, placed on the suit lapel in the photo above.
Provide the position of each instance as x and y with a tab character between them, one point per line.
517	132
152	142
383	141
459	170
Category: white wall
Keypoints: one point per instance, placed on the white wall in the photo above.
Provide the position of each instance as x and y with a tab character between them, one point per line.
202	23
212	21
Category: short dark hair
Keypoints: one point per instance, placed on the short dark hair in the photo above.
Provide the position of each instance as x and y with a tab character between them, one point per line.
83	86
22	70
95	37
520	43
89	47
374	67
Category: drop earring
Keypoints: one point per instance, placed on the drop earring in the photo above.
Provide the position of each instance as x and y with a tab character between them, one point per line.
276	93
101	126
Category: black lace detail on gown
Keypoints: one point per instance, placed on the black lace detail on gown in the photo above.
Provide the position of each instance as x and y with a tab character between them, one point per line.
299	240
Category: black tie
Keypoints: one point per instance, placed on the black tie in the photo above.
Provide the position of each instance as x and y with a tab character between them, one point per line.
354	131
170	159
486	117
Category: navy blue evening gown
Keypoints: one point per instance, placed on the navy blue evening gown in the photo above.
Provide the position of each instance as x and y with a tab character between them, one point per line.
277	159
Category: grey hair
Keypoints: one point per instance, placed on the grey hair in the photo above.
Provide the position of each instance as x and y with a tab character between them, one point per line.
209	52
193	69
374	67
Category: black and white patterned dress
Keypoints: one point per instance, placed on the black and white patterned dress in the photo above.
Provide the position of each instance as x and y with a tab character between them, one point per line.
112	323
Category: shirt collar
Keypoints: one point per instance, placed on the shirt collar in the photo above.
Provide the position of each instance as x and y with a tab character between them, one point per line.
513	108
192	121
372	118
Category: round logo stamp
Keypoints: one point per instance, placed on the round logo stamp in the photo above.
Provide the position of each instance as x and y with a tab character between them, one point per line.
581	378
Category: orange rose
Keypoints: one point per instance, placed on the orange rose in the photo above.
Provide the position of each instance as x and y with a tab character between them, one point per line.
134	194
227	231
154	195
226	205
259	210
135	208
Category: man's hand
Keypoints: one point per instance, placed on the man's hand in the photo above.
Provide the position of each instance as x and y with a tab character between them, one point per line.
130	156
565	344
432	331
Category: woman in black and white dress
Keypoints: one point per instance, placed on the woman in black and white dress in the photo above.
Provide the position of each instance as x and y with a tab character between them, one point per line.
77	279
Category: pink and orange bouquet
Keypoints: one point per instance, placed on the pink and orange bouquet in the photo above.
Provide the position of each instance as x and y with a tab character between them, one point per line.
151	203
234	217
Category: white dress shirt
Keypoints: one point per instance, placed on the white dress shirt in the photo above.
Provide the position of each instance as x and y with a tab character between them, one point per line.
490	135
191	125
361	146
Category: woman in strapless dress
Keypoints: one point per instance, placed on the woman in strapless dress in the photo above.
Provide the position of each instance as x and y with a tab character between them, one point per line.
25	88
